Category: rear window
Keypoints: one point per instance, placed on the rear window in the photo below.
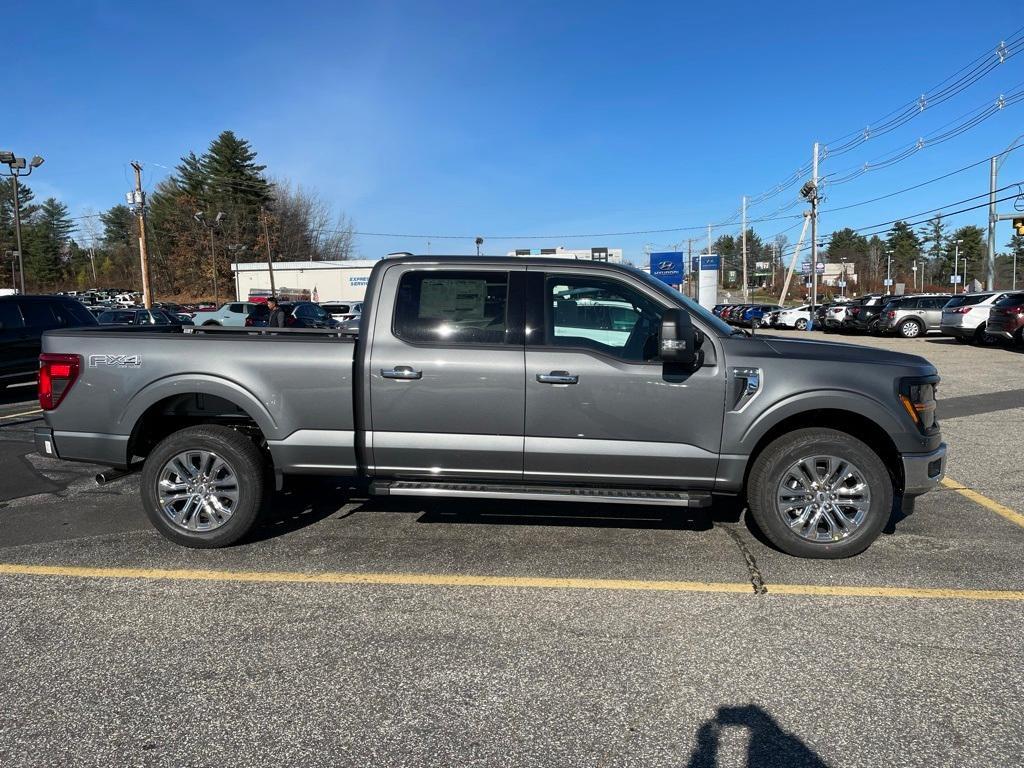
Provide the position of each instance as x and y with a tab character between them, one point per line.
1013	300
336	309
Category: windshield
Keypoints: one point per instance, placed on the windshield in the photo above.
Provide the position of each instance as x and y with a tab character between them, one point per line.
696	309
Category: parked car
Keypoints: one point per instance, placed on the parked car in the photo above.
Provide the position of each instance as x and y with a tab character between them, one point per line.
343	310
793	317
23	319
753	315
126	299
1006	318
454	390
231	314
862	313
147	317
835	315
965	316
298	314
912	316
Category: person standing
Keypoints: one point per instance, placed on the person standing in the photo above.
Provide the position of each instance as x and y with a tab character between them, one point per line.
277	316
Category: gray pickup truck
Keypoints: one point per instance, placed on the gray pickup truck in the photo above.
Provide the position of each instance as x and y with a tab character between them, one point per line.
523	379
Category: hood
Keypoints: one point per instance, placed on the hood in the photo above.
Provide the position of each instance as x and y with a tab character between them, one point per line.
808	349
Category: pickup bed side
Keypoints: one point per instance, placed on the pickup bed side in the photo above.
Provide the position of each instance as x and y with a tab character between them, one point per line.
135	388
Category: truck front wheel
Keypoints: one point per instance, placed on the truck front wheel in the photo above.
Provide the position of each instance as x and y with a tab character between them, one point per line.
203	486
820	493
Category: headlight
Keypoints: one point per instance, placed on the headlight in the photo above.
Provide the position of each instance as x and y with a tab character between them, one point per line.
918	398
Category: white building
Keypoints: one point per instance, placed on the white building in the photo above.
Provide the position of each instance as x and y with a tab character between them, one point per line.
614	255
324	280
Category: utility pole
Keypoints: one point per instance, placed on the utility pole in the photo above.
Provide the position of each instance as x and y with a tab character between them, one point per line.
92	261
746	292
814	231
888	272
139	202
270	259
993	217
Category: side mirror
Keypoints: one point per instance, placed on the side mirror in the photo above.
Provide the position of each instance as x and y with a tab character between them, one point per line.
678	341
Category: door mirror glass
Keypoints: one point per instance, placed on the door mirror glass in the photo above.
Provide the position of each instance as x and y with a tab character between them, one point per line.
678	341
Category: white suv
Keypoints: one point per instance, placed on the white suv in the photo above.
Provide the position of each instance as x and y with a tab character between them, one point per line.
794	317
965	315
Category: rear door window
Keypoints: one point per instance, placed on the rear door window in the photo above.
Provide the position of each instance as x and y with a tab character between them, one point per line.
444	308
76	314
10	316
1011	300
40	315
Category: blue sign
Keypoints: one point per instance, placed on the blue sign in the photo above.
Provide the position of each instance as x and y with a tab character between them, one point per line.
710	262
668	267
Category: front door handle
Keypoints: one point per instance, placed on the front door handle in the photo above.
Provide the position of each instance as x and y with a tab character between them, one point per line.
402	372
557	377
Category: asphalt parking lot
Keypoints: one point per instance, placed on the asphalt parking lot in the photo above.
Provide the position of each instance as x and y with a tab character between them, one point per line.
355	632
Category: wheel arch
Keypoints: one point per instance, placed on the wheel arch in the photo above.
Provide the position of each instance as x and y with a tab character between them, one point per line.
178	402
853	423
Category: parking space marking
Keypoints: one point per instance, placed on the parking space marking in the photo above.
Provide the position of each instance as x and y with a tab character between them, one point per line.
522	582
24	413
1000	509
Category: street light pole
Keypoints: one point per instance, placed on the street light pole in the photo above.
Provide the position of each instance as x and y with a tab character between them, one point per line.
17	164
956	265
888	272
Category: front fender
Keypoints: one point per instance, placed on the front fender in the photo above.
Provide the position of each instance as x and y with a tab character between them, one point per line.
749	433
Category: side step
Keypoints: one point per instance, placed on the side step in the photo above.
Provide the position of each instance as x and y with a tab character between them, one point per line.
692	499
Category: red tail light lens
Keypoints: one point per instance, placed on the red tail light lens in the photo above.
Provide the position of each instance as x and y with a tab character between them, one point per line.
57	373
959	310
890	314
855	311
248	322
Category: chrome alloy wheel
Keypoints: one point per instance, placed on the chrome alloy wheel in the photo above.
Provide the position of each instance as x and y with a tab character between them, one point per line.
823	498
198	490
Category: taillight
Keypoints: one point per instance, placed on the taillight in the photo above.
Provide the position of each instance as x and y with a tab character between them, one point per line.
855	311
890	314
958	310
56	375
248	322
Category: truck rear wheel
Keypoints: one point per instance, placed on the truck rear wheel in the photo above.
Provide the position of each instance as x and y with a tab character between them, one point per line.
203	486
820	493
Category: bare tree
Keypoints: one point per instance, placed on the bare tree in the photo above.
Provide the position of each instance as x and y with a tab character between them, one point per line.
304	228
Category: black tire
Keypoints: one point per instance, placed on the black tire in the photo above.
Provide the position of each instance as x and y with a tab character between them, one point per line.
873	329
247	465
801	324
981	338
775	460
911	329
755	323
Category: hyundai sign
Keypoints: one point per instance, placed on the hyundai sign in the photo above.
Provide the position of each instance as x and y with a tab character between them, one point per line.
668	267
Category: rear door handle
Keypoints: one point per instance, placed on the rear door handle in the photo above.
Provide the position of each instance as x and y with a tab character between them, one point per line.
557	377
402	372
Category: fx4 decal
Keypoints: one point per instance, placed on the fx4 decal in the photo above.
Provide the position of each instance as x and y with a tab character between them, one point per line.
117	361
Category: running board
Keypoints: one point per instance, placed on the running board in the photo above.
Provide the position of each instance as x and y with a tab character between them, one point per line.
692	499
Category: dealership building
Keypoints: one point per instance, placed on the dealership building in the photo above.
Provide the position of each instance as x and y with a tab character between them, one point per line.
613	255
317	280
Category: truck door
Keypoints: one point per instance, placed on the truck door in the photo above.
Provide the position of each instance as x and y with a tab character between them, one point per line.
600	406
446	373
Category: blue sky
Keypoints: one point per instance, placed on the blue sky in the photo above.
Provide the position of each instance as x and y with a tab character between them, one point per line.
499	118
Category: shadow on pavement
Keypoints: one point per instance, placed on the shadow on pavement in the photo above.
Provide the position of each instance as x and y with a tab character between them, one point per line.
302	504
576	515
769	747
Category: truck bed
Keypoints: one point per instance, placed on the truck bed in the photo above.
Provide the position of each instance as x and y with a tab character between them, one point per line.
295	386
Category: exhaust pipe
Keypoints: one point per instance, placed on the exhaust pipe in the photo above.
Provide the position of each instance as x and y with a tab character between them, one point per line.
110	475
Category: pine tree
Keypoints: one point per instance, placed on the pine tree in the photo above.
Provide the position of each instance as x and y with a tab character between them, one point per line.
906	248
933	237
971	246
49	236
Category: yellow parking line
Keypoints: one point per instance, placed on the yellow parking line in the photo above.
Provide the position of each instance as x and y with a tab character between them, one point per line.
528	582
25	413
985	501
